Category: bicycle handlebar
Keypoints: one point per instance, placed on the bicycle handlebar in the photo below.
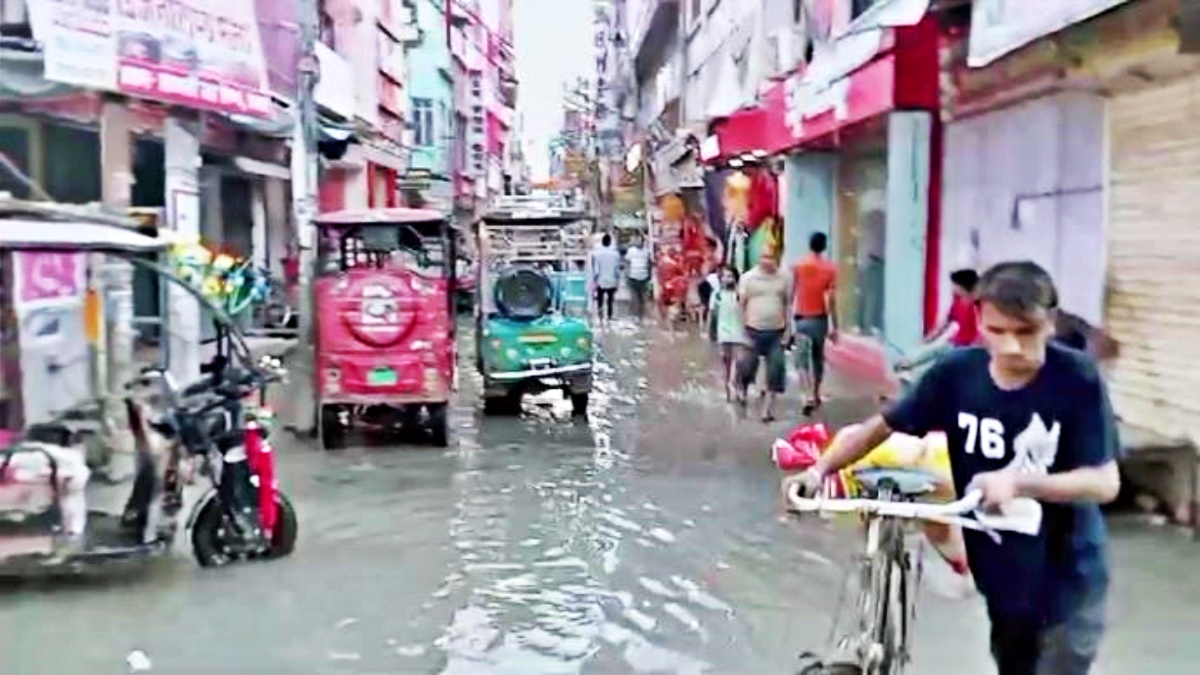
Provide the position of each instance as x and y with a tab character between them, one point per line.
1023	516
889	509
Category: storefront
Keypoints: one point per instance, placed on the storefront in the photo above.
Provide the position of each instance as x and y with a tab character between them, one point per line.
1024	172
860	234
684	246
857	131
1153	251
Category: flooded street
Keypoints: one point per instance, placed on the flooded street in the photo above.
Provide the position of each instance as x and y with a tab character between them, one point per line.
646	539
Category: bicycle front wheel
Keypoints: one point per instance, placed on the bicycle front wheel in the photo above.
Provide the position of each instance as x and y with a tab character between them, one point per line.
885	599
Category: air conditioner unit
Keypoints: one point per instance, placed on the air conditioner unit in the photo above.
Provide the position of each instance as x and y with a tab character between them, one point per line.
13	13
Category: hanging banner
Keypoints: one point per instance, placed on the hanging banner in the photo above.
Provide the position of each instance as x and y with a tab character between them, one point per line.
196	53
78	41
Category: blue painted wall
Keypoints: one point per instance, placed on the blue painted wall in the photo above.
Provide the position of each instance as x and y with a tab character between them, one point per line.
907	222
809	181
429	73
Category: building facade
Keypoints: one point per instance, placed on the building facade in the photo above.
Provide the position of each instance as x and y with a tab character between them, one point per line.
431	111
372	38
485	91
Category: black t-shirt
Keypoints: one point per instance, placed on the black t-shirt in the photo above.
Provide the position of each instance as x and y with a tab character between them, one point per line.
1062	420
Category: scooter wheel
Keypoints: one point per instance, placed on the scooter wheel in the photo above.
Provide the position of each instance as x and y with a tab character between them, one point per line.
209	532
287	528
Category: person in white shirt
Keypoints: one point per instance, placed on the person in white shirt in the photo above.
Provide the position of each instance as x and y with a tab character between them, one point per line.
637	271
606	275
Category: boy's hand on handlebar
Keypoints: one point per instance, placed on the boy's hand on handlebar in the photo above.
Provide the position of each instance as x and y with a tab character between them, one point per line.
808	483
996	488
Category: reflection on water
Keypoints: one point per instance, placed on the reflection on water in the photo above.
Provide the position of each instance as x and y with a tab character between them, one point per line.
568	562
542	582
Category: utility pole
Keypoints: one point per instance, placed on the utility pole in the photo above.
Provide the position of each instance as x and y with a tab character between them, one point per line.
304	205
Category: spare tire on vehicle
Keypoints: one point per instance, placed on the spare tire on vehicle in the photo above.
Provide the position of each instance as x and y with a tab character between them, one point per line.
523	293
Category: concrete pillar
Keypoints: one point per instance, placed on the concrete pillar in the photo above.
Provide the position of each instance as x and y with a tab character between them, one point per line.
280	232
181	140
112	280
259	235
909	143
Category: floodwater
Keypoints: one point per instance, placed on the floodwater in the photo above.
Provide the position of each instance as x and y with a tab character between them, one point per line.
646	539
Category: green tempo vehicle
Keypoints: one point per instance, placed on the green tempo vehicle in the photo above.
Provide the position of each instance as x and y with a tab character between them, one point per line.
532	331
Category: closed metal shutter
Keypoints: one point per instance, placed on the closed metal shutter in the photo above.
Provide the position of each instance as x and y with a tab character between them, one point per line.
1153	308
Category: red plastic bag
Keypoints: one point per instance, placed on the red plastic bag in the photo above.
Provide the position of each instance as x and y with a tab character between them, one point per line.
802	447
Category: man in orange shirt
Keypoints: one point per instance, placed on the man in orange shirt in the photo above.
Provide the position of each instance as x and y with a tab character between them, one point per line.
814	280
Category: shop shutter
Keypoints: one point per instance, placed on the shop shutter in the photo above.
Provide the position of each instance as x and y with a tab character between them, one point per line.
1153	306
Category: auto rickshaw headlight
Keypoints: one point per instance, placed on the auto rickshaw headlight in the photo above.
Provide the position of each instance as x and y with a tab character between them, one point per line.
496	344
333	380
583	343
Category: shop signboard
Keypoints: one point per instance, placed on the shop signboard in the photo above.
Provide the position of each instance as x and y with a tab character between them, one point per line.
47	278
476	127
197	53
999	27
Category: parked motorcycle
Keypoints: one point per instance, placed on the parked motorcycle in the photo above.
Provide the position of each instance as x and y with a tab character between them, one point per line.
244	515
47	525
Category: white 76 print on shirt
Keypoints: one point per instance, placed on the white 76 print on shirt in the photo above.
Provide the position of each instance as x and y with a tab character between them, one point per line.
1034	449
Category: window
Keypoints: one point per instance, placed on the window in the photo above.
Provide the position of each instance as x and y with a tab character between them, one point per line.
423	123
443	123
460	144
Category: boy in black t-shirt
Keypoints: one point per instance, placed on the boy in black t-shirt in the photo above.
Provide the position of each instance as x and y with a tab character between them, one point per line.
1024	418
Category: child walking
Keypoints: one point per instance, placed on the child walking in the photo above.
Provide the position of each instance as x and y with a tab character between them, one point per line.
730	331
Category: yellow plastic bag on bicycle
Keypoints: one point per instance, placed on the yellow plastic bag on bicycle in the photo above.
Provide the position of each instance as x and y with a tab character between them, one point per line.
929	455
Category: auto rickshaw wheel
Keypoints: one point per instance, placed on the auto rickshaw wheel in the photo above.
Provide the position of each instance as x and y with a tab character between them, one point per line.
333	434
439	424
579	403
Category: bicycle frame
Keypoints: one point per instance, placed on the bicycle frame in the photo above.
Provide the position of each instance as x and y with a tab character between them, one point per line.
887	605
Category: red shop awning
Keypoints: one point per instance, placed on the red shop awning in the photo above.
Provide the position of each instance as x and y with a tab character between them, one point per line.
889	59
738	133
757	129
792	114
812	113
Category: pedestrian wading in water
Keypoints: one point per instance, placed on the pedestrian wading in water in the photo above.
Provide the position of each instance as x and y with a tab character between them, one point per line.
729	331
765	293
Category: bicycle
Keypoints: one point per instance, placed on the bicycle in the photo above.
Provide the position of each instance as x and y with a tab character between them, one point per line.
888	577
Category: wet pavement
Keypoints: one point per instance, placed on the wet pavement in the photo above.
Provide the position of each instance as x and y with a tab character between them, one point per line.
645	539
